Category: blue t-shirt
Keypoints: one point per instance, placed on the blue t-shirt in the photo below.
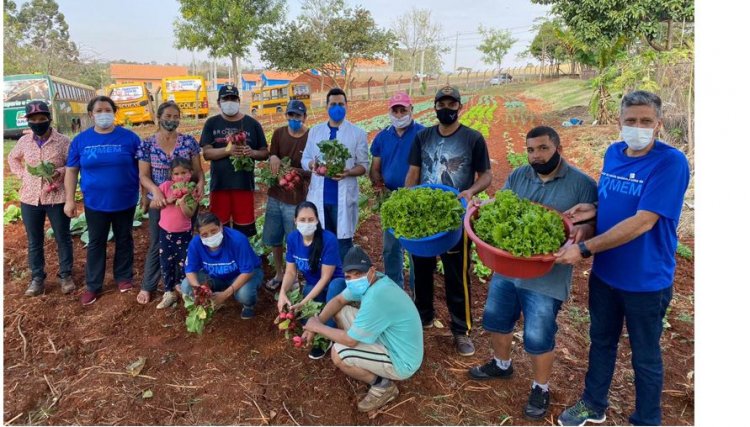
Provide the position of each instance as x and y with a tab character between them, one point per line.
109	168
393	151
656	183
299	254
388	316
330	186
234	257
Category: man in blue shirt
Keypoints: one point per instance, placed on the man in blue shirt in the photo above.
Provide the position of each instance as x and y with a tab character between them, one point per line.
641	192
377	343
549	180
390	163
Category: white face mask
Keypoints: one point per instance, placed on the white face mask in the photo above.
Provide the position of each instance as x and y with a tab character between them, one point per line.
400	123
637	138
213	241
230	108
104	120
307	228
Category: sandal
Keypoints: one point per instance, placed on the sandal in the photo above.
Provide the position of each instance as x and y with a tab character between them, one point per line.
273	284
140	297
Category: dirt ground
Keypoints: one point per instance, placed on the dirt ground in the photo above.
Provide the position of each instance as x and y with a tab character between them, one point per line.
65	364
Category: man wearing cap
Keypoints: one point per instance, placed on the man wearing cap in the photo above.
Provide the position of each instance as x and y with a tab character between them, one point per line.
42	198
231	196
390	162
286	142
337	197
378	343
451	154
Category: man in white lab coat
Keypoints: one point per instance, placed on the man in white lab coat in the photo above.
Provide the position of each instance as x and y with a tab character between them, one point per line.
337	197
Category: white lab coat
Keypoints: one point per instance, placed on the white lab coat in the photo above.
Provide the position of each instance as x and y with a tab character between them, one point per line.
355	139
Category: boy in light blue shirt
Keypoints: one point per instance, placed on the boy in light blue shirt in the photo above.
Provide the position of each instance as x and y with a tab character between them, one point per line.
377	343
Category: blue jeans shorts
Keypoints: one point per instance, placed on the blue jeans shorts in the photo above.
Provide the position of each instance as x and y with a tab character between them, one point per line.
279	222
506	302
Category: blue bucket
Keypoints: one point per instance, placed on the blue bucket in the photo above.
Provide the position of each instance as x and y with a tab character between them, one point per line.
437	243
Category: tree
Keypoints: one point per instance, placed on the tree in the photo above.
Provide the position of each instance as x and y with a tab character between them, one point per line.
433	61
419	38
225	28
652	20
546	45
495	45
328	37
37	40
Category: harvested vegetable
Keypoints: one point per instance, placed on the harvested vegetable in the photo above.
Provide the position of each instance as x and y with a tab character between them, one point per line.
416	213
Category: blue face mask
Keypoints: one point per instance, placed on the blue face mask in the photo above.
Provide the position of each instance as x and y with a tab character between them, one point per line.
337	113
357	287
295	125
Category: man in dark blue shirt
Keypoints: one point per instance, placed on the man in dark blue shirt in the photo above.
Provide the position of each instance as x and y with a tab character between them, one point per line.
390	163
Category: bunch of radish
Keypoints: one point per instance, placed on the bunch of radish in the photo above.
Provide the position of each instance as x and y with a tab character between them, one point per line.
200	308
288	177
333	159
180	189
290	321
290	180
46	171
203	294
240	163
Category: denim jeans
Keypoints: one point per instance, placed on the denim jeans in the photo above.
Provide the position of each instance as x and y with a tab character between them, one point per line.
393	259
335	287
506	302
151	271
643	313
247	295
99	223
279	222
33	221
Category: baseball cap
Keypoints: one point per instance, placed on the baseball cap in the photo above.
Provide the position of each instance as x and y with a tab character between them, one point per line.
296	106
448	92
228	90
356	259
37	107
400	98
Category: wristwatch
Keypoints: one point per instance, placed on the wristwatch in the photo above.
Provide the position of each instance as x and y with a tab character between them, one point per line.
585	252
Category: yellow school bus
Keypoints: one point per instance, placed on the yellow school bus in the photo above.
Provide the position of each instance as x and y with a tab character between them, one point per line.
189	92
274	99
134	103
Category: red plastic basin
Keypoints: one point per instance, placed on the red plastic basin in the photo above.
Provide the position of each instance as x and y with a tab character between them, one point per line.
504	262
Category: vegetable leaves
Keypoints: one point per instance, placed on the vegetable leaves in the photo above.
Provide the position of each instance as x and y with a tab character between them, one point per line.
415	213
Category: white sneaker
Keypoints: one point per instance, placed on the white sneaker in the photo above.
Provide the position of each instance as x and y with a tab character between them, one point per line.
167	300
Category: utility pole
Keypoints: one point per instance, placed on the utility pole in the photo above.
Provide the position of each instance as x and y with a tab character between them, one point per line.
455	54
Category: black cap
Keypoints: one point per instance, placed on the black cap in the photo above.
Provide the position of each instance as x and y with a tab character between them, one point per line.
37	107
296	106
229	90
356	259
448	92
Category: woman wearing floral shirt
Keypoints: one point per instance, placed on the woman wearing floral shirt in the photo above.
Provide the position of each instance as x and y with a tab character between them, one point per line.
154	158
40	198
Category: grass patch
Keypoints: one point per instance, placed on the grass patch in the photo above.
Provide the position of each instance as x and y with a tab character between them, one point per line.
561	94
684	251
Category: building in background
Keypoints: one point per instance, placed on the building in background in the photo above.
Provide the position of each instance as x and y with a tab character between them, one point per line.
151	75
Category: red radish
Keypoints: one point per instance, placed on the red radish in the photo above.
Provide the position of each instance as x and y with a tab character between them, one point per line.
282	182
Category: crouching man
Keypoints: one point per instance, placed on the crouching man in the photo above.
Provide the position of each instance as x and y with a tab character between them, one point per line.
379	343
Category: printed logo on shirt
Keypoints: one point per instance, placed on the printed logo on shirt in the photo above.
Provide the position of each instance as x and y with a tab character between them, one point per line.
624	185
220	268
303	264
91	151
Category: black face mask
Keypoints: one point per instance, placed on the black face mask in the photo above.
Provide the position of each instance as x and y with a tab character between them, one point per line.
447	116
40	129
547	168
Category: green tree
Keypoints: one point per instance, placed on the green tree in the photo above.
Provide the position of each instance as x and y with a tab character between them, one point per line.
328	37
225	28
595	21
546	45
495	45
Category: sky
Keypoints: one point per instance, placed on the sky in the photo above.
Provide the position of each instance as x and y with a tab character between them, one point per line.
142	30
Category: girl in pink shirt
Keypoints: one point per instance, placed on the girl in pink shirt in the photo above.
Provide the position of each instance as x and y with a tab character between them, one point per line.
175	229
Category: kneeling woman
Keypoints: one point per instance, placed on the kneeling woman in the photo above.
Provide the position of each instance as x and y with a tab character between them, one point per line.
223	257
314	252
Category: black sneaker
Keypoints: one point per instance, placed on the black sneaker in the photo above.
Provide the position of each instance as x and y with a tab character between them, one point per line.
318	353
579	414
490	371
538	403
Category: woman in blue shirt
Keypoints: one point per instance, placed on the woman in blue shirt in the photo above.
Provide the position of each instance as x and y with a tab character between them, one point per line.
222	256
104	155
315	253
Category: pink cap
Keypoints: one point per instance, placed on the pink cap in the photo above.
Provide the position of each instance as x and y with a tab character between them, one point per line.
399	98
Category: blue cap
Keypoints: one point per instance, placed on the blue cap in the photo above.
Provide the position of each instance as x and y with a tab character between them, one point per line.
296	106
